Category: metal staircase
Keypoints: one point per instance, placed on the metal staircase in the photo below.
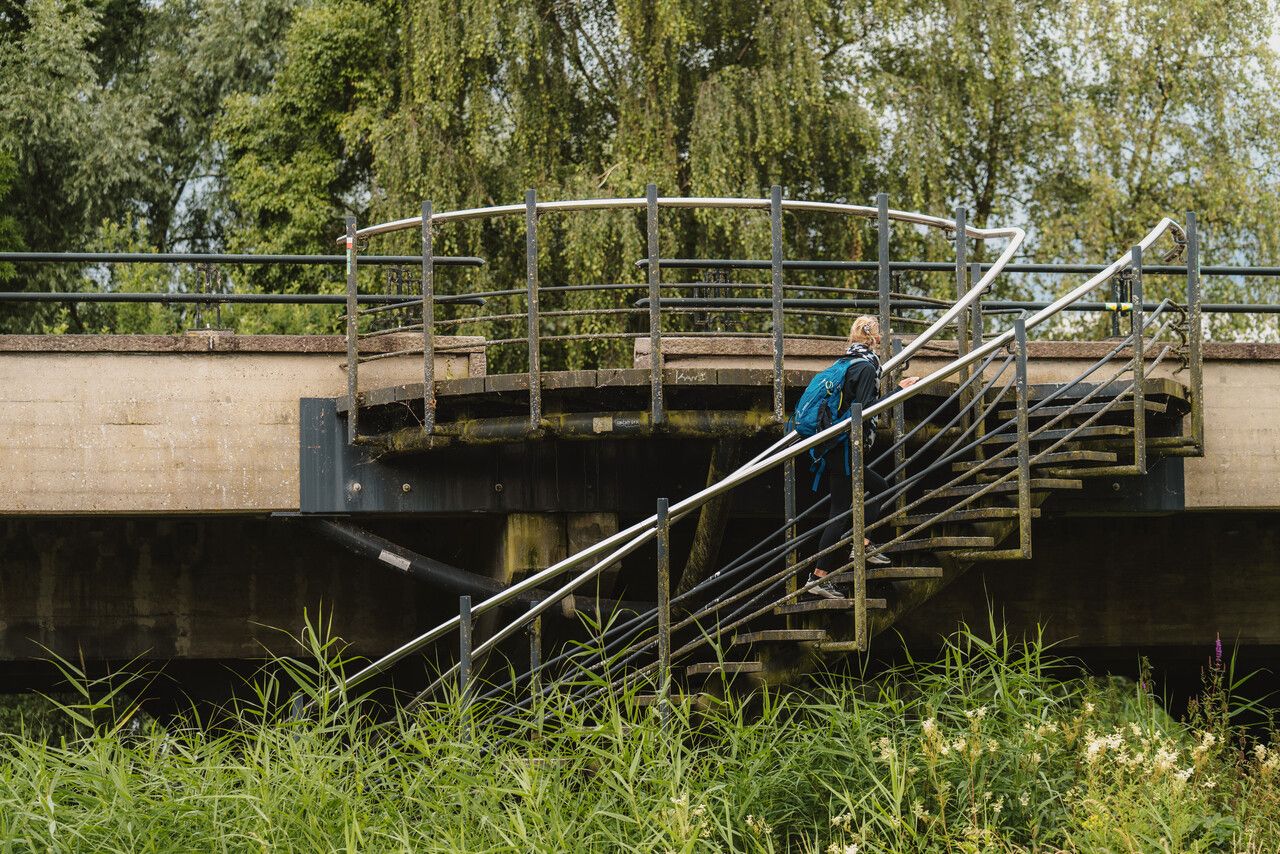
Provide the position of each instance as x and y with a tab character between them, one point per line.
974	453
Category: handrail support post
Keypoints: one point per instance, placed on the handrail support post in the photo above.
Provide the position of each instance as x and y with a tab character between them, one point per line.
464	655
1024	442
428	325
664	608
775	230
857	527
353	335
1195	331
534	324
1136	319
883	273
789	510
657	411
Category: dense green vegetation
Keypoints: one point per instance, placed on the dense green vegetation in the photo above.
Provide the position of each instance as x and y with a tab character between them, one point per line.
987	749
256	125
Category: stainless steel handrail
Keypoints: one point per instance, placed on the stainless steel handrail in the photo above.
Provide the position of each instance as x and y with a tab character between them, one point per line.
1015	236
785	449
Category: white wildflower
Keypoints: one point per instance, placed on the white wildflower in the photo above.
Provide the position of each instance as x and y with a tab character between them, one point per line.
1088	707
1024	799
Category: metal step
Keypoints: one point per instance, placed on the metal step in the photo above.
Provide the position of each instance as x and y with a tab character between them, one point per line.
728	668
932	544
974	514
699	700
809	606
1037	484
894	573
1104	431
1050	459
779	636
1084	409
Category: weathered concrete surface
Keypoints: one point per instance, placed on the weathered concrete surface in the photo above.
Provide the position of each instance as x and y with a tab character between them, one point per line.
205	423
1163	581
233	587
229	587
192	423
1241	466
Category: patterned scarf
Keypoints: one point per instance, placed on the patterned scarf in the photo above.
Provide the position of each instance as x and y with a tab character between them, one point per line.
866	354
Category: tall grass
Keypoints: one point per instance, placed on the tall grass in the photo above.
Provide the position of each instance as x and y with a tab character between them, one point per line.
987	748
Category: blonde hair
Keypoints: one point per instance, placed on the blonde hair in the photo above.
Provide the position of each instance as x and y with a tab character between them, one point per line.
864	330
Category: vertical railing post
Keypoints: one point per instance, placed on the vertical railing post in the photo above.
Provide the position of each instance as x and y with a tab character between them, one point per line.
535	663
789	511
857	526
1024	441
353	336
1118	298
464	650
1195	331
664	607
775	230
962	319
657	412
428	325
1139	365
534	325
980	430
882	272
975	275
899	447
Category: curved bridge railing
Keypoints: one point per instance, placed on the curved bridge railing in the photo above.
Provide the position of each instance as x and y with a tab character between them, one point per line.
518	319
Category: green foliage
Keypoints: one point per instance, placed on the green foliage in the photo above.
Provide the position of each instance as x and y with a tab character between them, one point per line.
995	746
257	125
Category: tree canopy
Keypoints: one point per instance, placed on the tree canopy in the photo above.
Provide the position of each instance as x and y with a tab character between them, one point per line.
258	124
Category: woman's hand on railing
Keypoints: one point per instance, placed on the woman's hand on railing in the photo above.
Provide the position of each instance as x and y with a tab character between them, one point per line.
907	382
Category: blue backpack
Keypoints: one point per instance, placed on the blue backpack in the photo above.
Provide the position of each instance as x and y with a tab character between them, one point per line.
821	405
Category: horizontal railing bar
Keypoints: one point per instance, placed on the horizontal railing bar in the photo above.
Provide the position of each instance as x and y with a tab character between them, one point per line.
946	267
988	306
689	202
224	299
226	258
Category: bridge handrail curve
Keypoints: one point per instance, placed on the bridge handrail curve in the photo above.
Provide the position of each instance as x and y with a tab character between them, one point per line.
1015	236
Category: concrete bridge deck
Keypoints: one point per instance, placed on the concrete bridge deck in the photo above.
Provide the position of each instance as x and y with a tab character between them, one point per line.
209	423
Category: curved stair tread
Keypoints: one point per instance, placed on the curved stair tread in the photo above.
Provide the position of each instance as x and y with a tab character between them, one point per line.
1126	407
1049	459
902	573
728	668
935	543
1037	483
1097	431
977	514
809	606
698	699
779	636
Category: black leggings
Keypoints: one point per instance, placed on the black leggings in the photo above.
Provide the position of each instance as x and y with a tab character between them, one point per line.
840	488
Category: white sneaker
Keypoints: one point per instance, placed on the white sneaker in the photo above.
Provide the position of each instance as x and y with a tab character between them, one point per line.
825	588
